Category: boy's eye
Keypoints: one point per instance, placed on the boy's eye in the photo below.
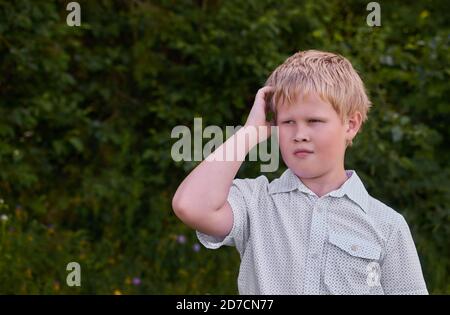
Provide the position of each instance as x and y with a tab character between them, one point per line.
309	120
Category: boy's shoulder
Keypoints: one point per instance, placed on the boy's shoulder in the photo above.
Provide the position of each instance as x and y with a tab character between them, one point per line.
259	184
384	214
263	185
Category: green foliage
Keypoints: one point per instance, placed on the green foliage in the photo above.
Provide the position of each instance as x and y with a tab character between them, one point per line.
86	115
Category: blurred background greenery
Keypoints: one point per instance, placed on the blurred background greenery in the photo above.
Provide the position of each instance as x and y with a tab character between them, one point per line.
86	115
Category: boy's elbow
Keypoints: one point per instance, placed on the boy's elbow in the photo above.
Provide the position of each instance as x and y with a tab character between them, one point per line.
187	210
180	206
177	205
184	212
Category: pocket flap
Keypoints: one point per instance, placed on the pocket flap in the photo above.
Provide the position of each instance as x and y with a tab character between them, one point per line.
355	246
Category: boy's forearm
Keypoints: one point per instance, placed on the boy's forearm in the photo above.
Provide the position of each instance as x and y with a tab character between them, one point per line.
206	187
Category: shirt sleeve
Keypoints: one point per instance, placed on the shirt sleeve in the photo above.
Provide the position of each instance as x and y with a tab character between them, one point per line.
240	198
401	272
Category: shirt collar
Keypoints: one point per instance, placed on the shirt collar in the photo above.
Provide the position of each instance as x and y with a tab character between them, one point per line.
353	187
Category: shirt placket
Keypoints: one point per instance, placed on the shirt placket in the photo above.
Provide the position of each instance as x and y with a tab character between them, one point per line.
317	239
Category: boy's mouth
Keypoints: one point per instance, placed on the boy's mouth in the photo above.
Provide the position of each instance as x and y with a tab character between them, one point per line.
302	152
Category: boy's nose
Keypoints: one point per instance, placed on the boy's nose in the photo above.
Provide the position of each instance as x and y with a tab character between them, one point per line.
300	136
297	139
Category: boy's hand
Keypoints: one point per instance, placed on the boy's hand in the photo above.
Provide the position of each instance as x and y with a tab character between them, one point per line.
258	113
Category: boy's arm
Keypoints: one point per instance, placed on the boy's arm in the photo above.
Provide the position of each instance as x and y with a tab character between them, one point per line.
201	199
401	271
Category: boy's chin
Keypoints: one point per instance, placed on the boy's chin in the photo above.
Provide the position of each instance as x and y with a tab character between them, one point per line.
303	171
305	174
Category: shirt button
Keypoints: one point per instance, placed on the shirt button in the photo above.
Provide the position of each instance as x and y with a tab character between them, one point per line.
354	247
314	256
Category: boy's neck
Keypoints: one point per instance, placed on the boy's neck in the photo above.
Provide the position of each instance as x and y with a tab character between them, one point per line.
326	183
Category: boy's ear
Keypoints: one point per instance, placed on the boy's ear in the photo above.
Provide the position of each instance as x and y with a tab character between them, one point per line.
353	124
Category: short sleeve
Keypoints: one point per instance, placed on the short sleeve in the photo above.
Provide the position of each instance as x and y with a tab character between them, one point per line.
241	199
401	272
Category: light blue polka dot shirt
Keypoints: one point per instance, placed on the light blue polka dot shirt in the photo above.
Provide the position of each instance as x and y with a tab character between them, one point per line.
292	242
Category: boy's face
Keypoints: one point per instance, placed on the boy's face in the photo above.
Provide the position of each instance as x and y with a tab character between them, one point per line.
312	124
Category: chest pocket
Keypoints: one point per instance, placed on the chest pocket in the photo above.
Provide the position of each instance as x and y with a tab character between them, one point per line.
352	265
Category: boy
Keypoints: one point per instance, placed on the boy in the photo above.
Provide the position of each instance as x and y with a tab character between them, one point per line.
314	230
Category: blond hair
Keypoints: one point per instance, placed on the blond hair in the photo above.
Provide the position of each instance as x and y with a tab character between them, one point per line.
329	75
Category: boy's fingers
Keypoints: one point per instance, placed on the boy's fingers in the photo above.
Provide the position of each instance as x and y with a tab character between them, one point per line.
262	91
266	89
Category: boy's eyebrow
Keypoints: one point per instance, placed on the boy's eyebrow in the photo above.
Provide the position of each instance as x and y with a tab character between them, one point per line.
303	117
